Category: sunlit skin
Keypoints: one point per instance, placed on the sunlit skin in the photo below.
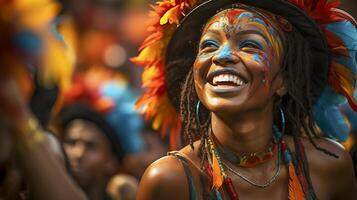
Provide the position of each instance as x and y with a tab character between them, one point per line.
244	45
248	47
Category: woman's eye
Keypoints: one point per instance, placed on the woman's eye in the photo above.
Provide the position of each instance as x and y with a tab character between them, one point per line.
209	44
250	44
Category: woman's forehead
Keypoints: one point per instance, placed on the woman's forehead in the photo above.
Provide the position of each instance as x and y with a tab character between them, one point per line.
235	22
238	18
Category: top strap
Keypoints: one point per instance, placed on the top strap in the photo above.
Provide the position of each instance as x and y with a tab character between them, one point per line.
185	163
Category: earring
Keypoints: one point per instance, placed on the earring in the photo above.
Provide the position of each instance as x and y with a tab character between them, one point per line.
282	116
279	133
198	112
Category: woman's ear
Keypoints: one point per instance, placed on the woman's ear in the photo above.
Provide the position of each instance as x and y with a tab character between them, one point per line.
282	87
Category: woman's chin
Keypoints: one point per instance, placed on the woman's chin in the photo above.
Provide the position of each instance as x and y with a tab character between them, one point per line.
223	106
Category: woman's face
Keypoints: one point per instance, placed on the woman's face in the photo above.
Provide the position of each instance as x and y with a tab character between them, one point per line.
238	62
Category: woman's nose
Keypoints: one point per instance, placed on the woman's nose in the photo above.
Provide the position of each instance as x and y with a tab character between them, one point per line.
225	56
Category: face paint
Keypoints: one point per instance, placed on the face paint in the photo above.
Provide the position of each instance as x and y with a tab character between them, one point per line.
236	19
257	58
205	44
251	49
225	53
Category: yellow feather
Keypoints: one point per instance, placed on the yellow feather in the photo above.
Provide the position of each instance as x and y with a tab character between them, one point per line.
157	121
149	54
171	16
147	76
36	13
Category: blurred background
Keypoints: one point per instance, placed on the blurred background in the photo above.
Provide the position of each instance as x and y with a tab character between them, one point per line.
104	142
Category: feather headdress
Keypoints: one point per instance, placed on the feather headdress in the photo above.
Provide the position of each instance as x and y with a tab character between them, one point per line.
332	31
155	104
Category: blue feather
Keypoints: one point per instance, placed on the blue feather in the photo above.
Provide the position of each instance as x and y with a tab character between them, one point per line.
326	111
351	115
328	117
346	31
28	42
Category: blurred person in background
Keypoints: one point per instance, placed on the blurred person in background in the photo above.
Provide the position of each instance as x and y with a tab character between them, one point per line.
99	128
154	148
14	184
123	187
31	160
107	35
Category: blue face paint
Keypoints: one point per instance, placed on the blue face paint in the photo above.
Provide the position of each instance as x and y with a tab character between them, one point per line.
210	45
260	21
257	58
245	14
225	53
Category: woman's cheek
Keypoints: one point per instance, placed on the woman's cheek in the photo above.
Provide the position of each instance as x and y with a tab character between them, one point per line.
260	64
202	65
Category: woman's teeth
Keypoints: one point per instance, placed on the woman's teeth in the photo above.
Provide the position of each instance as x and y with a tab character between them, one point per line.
227	79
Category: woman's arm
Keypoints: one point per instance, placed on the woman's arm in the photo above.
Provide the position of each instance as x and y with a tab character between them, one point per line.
44	172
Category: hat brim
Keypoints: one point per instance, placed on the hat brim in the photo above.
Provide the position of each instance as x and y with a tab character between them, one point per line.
182	49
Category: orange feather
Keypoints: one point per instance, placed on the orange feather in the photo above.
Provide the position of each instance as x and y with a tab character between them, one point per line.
217	175
295	189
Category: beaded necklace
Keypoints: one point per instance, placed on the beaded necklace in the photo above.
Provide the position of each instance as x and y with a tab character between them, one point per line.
216	169
246	159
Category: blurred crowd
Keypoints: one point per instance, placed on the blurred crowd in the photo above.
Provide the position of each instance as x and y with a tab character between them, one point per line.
81	89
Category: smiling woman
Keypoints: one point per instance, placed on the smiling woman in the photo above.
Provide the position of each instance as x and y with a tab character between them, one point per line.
239	56
245	77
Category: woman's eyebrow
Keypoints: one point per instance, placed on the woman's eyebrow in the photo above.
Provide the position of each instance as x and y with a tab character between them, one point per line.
246	32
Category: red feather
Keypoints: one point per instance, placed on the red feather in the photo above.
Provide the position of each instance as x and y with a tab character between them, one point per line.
336	44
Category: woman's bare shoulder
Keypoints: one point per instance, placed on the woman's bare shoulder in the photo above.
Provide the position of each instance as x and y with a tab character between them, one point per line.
166	178
336	171
163	179
340	160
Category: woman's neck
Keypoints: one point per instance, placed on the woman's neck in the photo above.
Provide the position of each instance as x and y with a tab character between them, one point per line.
244	133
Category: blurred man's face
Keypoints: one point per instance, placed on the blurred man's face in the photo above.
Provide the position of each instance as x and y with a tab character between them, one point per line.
89	152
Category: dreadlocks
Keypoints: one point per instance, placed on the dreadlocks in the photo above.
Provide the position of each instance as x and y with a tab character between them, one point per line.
297	105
